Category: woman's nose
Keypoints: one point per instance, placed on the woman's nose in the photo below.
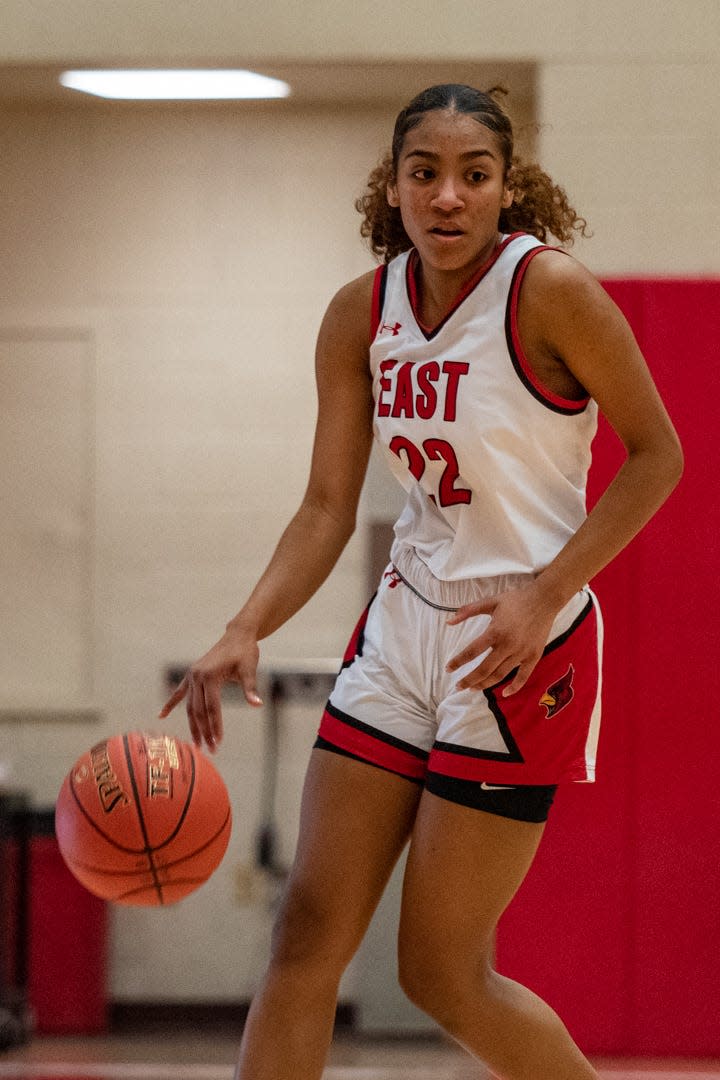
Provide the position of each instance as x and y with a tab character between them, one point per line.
447	196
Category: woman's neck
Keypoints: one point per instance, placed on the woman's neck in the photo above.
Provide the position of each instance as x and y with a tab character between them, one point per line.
438	290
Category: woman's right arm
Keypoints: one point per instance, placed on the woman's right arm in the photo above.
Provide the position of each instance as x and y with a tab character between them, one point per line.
317	534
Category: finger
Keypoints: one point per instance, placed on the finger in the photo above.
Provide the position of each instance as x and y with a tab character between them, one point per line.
174	699
194	733
192	722
478	607
213	712
249	686
196	712
484	679
523	674
478	649
247	677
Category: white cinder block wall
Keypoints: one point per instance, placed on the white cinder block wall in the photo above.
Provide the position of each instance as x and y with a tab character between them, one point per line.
196	251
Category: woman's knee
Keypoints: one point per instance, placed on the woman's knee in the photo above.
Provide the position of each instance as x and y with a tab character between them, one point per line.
312	931
439	981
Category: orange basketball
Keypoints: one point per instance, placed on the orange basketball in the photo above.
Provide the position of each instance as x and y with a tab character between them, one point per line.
143	819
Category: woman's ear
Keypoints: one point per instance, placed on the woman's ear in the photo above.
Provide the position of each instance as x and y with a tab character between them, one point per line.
391	193
509	192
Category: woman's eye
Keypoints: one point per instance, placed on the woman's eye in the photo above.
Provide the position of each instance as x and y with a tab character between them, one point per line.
476	176
423	174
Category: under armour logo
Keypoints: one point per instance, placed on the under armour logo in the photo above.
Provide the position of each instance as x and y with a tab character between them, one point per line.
394	329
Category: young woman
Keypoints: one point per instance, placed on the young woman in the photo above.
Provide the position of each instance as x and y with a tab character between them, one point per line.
479	357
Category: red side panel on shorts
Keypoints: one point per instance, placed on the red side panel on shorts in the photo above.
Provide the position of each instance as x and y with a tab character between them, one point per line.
547	726
355	644
360	741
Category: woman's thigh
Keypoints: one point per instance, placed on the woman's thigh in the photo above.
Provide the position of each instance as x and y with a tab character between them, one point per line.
463	869
355	820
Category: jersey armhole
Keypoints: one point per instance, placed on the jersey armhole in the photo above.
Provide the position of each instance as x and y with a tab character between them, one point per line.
523	367
378	300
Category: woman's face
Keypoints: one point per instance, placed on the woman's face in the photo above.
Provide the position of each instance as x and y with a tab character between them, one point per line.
450	189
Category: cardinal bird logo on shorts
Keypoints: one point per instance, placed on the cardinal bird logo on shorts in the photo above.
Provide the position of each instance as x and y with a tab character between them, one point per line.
560	694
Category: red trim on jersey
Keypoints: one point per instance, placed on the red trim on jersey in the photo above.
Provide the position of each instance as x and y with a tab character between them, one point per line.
377	300
412	290
370	748
556	401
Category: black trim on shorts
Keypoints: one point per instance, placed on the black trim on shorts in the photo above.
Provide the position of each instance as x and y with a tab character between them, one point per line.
512	753
382	736
358	643
323	744
562	638
521	802
550	647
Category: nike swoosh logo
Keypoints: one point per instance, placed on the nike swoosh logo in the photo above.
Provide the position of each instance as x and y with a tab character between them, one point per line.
497	787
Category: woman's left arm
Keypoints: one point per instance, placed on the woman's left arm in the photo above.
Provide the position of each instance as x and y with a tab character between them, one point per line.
574	320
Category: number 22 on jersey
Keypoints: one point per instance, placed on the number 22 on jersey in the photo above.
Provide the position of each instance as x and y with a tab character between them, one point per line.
433	450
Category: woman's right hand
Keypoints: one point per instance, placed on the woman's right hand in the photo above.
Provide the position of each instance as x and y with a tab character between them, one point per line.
233	659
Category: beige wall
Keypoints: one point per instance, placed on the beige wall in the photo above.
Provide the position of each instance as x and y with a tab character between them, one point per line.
195	250
637	144
549	30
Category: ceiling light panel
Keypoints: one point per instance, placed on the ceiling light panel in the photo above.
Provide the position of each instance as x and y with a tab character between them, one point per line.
175	85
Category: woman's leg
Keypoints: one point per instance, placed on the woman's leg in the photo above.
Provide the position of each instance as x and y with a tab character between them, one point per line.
355	820
463	868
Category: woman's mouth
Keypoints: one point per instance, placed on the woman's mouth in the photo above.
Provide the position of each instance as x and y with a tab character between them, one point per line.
446	231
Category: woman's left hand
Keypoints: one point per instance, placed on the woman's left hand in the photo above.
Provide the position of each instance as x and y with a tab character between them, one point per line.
518	631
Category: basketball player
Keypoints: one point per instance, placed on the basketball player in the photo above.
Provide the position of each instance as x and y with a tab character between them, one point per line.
469	690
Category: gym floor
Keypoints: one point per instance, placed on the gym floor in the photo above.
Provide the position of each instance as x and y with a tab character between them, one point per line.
212	1056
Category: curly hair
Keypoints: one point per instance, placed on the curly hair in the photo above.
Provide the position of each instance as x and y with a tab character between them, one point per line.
540	206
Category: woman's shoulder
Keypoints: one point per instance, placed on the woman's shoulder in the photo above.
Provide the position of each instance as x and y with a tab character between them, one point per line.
349	311
555	278
355	293
554	266
346	325
563	306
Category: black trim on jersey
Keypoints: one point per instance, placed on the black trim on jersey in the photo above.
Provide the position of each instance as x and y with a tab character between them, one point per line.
382	736
565	410
382	291
323	744
378	301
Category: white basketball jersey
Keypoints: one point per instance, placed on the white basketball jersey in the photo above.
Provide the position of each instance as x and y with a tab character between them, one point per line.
494	463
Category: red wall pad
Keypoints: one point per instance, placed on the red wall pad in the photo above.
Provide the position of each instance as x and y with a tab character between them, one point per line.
68	947
618	923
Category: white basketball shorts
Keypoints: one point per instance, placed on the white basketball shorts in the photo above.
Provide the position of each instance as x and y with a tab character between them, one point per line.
396	707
